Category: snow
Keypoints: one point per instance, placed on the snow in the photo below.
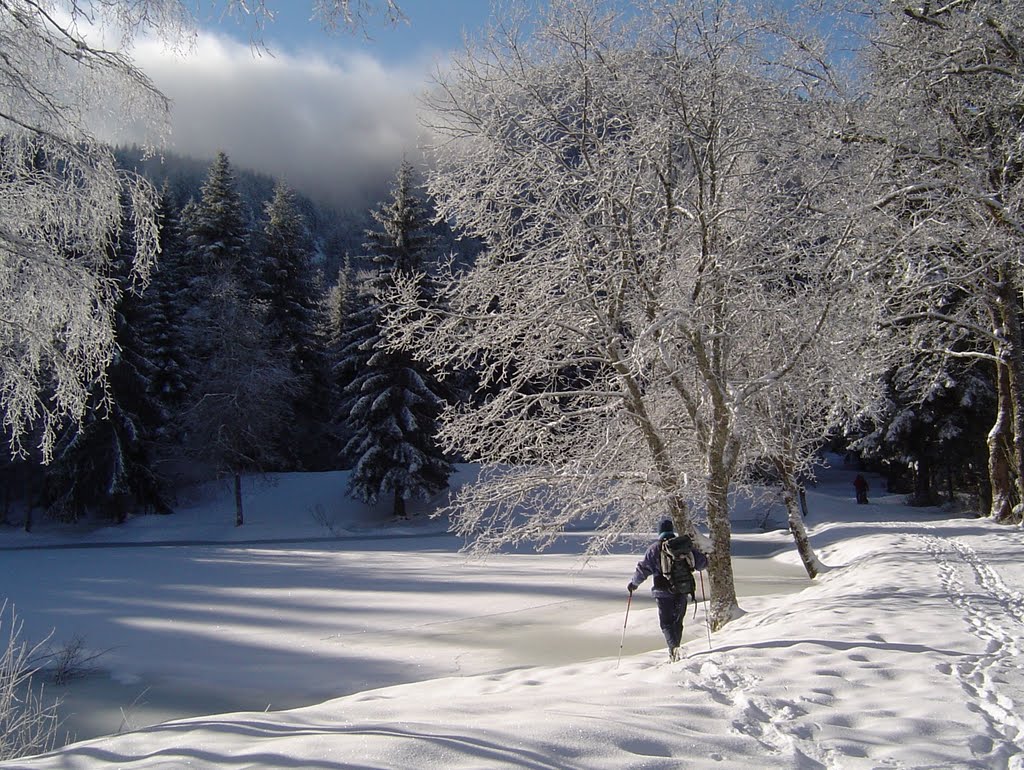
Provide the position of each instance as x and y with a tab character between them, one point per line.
377	644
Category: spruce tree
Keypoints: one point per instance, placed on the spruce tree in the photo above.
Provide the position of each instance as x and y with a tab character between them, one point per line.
244	393
932	427
340	300
340	362
218	231
291	309
391	401
288	286
167	295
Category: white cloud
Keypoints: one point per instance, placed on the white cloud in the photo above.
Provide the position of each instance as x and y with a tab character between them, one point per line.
330	125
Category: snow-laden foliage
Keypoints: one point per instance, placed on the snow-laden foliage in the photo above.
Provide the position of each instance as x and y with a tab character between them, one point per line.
244	390
391	400
104	464
658	195
60	205
289	286
289	294
166	299
944	120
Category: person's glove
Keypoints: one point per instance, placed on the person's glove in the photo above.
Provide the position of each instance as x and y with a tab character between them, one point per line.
631	587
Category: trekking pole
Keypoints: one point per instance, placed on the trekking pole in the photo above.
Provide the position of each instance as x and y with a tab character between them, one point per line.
707	620
623	640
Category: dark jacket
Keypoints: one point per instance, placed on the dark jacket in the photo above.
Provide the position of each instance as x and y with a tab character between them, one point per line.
650	564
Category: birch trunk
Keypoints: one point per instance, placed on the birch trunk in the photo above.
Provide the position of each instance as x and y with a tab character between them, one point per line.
998	442
790	496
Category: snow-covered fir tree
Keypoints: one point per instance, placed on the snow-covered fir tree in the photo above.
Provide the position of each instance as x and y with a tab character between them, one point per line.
243	395
339	317
288	286
932	426
340	299
292	309
166	297
391	401
218	231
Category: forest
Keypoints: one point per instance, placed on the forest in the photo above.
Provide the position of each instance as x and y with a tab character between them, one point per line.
246	351
710	240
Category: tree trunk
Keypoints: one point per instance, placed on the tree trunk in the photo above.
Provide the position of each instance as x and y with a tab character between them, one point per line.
722	455
667	476
803	501
680	514
796	521
998	441
923	482
399	506
1013	357
1005	449
724	604
239	517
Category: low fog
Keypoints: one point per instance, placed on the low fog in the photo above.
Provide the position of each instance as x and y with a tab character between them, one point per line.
332	125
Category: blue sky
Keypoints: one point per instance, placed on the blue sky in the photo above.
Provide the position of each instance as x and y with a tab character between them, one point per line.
433	26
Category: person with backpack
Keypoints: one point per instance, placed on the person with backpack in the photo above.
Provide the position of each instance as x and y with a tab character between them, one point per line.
671	559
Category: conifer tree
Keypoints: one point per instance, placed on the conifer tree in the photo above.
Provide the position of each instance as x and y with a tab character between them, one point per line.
288	286
217	231
243	394
391	402
341	364
167	296
291	309
932	426
340	300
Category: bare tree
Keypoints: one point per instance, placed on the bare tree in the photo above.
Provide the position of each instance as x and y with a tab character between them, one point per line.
839	375
946	86
60	198
647	189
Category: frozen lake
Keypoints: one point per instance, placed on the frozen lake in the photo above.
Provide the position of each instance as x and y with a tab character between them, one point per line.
181	626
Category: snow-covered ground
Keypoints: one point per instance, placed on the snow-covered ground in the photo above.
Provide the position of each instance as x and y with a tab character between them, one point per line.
392	650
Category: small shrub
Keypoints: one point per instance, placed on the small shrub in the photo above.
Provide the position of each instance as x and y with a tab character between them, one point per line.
27	724
70	661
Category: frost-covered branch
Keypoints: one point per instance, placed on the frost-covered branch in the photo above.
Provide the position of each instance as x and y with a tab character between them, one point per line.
27	724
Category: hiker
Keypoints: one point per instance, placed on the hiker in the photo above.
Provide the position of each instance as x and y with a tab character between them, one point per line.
860	485
671	598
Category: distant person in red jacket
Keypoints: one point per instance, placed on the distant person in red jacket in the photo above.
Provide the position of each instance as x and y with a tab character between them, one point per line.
860	484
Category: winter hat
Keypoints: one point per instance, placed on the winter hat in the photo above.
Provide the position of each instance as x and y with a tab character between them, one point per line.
666	529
